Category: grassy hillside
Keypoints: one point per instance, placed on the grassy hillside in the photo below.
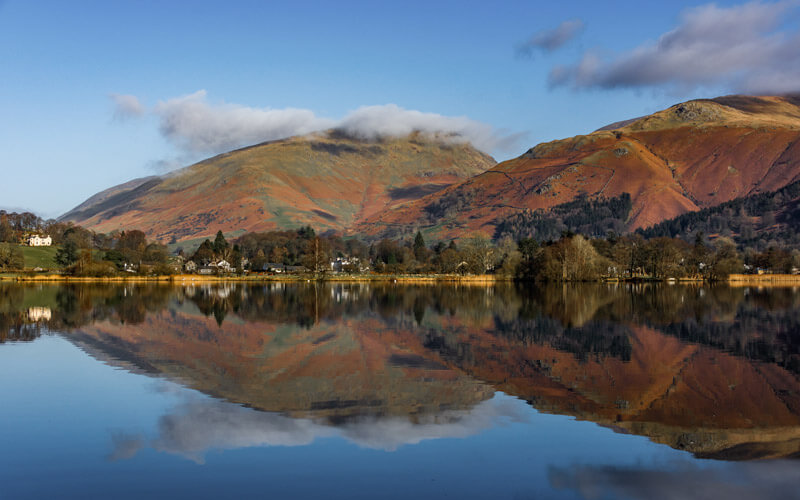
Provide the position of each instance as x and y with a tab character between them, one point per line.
329	181
43	257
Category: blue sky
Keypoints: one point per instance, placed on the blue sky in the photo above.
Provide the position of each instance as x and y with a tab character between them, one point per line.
93	94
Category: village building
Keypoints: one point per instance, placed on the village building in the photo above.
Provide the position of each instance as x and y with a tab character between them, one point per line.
348	264
36	240
274	267
224	266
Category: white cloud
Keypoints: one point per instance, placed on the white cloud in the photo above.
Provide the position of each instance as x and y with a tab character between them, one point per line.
741	47
552	39
126	106
197	127
390	120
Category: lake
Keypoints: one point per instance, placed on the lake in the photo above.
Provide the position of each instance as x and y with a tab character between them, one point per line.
373	391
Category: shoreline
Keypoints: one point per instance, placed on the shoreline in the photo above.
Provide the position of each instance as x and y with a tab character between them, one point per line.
295	278
734	280
774	280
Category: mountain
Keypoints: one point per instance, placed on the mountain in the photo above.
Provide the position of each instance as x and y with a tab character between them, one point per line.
328	181
690	156
759	221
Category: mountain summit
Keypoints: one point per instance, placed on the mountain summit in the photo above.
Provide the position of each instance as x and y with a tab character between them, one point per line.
328	181
690	156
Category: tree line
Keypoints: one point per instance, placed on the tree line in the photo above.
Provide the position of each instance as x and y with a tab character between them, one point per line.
82	252
575	241
755	223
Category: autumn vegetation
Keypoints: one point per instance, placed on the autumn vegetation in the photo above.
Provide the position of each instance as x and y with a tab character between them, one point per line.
82	252
576	241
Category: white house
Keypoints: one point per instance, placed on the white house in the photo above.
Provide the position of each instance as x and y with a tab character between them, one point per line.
225	266
35	240
340	264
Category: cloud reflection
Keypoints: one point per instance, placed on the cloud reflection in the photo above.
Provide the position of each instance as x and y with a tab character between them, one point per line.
766	479
199	425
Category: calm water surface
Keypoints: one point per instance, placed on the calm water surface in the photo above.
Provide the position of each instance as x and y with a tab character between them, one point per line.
379	391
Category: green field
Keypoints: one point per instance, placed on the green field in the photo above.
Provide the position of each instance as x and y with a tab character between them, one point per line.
43	257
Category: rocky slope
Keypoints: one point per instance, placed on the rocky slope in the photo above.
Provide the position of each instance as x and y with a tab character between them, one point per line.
329	181
690	156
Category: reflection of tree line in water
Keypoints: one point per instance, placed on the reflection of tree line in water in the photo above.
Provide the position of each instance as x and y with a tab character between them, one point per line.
586	320
13	324
73	306
583	320
762	325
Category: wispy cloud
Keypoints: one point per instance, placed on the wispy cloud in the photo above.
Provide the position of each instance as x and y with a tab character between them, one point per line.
126	106
551	39
196	126
742	47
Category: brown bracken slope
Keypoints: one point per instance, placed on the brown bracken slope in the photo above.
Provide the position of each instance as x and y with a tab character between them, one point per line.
328	181
690	156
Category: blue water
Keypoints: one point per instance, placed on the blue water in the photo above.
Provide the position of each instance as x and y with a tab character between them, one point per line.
75	426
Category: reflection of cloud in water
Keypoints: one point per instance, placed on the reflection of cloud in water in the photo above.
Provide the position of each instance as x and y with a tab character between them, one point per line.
728	481
199	425
125	446
392	432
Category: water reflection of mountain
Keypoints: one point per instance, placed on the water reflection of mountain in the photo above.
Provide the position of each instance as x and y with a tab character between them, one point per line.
710	370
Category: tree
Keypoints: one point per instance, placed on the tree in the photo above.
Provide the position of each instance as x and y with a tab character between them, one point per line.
388	252
205	253
480	253
306	233
6	231
699	255
420	252
155	253
11	257
725	260
528	248
510	257
259	261
571	259
278	254
236	259
220	244
67	254
317	255
131	244
449	260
